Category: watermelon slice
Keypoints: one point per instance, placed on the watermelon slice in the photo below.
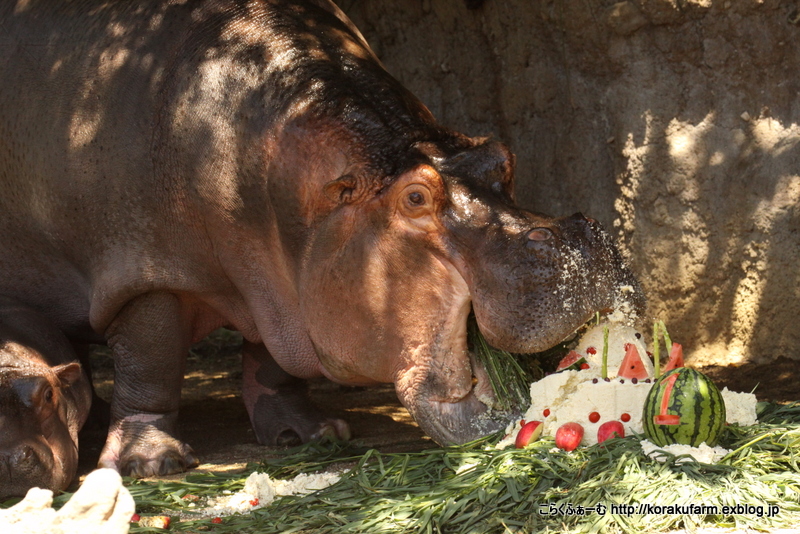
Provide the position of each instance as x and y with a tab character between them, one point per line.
675	358
632	365
572	361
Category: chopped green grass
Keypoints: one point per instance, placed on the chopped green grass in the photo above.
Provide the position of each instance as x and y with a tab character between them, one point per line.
477	489
511	374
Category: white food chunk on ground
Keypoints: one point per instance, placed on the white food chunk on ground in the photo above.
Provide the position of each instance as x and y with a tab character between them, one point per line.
740	408
702	453
263	488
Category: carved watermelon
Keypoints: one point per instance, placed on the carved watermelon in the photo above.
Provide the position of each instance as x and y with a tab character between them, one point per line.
684	406
675	358
572	361
632	365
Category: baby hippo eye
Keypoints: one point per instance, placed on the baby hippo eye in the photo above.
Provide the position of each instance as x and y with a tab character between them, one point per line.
415	198
48	395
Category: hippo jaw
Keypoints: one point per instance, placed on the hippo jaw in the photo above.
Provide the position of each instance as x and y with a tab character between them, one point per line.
445	388
449	394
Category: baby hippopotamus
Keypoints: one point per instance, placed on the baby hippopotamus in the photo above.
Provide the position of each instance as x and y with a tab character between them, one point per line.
44	401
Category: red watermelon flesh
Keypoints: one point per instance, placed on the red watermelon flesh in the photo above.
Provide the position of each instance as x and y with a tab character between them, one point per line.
572	360
675	358
632	365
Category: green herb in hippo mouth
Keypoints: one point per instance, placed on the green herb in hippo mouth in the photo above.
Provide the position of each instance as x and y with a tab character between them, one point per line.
510	375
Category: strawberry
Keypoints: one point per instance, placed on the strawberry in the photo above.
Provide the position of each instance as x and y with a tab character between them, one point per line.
569	436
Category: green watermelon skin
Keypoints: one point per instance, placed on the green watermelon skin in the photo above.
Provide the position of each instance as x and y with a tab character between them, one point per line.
694	398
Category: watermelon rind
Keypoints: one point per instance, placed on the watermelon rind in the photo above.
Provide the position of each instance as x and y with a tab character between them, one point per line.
693	397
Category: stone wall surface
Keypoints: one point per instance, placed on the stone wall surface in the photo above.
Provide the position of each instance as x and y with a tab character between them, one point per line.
676	123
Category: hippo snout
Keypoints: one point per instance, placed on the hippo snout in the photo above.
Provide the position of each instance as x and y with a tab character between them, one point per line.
23	466
531	291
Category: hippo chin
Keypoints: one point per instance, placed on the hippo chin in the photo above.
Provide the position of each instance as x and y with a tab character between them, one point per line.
173	167
44	401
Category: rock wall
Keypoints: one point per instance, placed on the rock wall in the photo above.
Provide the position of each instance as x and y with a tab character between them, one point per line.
673	122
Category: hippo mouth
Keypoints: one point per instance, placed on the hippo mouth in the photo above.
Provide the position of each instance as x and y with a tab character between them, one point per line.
460	418
476	415
479	413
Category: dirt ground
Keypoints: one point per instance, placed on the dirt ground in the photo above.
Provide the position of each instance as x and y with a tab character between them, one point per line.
215	423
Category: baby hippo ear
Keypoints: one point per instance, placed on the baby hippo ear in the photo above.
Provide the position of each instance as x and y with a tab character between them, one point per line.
68	373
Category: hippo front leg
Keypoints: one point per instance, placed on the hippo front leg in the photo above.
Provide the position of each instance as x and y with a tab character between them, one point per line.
281	411
150	340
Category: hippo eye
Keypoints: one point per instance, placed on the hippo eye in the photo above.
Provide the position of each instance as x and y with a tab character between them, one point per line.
416	201
416	198
48	395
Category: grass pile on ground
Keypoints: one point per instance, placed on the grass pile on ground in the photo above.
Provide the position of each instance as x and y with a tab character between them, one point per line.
474	488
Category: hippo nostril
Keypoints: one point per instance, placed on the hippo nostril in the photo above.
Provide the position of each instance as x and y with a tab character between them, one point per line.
540	234
25	455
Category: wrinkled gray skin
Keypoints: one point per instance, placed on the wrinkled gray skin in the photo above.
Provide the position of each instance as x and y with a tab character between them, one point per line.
44	401
170	168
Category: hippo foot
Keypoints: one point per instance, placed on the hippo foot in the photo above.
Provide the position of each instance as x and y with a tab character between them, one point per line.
139	446
287	419
280	409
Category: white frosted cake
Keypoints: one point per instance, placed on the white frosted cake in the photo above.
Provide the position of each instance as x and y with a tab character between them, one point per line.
584	397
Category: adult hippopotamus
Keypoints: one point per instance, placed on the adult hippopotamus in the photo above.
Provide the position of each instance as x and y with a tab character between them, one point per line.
170	167
44	401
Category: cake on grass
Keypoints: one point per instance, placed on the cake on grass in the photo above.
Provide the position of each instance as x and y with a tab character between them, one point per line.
581	393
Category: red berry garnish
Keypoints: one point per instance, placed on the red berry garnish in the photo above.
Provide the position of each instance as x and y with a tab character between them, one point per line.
522	422
254	502
591	350
584	365
625	417
594	417
546	412
217	520
135	518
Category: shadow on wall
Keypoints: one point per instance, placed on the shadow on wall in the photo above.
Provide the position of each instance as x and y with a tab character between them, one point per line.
675	122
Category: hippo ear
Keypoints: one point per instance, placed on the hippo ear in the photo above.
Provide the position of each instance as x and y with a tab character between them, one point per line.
343	190
68	373
489	163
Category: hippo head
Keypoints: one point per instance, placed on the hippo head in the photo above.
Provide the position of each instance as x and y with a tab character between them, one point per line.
38	446
390	280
